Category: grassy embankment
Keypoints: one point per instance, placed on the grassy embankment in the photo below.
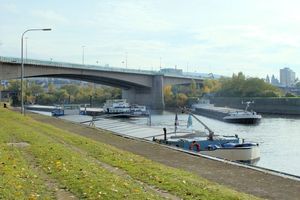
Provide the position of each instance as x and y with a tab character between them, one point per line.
79	165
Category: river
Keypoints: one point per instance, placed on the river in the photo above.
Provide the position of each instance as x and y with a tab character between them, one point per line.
278	137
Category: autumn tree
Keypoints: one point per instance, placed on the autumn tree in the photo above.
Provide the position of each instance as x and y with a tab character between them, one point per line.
181	100
168	95
211	85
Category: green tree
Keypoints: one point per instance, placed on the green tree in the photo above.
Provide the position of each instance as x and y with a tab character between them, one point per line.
61	96
239	86
14	85
46	99
32	90
51	88
76	93
71	89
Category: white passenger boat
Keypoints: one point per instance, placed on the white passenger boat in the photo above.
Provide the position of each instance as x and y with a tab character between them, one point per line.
121	108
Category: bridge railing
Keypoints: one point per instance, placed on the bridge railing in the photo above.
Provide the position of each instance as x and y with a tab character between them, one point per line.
88	67
73	65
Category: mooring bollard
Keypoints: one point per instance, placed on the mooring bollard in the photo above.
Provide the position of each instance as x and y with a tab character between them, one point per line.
165	134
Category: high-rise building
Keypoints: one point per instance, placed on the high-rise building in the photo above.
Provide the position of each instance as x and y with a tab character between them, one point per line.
287	77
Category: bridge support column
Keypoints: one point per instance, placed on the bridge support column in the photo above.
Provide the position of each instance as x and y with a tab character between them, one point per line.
157	92
153	97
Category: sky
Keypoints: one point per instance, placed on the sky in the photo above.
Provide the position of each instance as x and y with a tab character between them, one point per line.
207	36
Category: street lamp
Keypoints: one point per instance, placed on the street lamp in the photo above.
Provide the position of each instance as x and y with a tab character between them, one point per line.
26	48
22	63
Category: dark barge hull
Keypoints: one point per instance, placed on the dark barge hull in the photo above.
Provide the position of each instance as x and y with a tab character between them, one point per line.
220	114
243	121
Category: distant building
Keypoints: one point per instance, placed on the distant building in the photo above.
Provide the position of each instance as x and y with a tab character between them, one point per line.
268	79
171	71
287	77
274	81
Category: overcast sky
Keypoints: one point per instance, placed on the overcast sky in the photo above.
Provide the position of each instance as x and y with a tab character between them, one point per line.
257	37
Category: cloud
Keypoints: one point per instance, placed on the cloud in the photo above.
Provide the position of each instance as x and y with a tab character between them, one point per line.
8	7
50	15
128	16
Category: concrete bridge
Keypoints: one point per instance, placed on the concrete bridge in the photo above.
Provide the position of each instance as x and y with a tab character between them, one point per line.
138	86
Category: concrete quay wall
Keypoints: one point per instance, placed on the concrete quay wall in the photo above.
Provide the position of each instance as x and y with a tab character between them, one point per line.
282	106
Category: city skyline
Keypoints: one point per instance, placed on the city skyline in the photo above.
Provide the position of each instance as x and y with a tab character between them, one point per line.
285	77
222	37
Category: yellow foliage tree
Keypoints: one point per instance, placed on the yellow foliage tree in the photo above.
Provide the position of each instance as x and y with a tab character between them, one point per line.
211	85
168	94
181	99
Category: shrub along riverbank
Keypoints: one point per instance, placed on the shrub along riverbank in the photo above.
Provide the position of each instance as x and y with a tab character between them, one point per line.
86	168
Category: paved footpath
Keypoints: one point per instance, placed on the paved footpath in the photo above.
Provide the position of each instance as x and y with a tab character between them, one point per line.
245	180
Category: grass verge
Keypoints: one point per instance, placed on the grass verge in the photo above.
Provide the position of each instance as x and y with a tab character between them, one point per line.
18	180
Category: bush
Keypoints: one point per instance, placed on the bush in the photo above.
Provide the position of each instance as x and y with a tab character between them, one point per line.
269	93
288	94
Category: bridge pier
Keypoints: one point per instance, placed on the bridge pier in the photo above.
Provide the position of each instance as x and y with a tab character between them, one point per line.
158	101
153	98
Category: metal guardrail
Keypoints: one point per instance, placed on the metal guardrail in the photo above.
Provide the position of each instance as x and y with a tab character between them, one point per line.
73	65
87	67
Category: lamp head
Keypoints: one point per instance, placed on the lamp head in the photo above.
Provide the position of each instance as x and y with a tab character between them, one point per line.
46	29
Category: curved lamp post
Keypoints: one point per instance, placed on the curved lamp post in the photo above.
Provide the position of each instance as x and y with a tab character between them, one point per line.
22	63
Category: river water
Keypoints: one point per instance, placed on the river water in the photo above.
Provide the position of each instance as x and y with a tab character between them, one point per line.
278	137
